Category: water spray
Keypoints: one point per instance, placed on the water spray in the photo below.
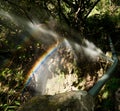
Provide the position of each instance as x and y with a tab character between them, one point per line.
38	73
86	99
96	88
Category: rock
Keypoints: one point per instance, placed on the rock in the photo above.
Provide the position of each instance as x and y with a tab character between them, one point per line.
68	101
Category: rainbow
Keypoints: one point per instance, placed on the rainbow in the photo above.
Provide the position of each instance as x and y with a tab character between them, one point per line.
40	61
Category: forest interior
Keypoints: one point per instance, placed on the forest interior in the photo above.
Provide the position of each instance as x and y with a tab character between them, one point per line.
53	52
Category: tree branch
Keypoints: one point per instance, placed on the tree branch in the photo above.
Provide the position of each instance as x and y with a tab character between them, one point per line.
95	3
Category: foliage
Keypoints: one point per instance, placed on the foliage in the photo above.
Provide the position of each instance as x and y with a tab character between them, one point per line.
107	95
105	18
11	82
17	56
73	13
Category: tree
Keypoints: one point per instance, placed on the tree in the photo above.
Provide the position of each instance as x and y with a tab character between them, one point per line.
73	13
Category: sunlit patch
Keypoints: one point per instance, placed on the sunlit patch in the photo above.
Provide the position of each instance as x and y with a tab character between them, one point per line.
47	67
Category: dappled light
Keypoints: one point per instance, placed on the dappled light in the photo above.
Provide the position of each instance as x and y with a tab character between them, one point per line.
59	53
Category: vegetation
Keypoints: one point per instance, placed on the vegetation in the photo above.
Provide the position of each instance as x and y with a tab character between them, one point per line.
93	19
